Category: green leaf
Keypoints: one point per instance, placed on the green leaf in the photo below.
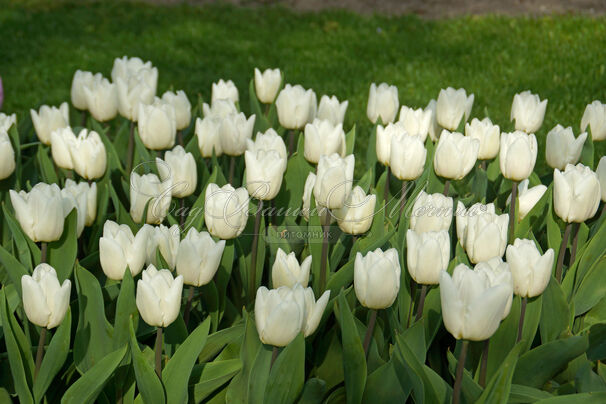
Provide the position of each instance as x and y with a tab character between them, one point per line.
586	380
350	140
555	312
587	152
62	253
287	375
217	341
261	121
313	391
382	386
14	269
582	398
148	383
19	238
210	376
47	169
498	388
259	375
126	308
591	288
470	390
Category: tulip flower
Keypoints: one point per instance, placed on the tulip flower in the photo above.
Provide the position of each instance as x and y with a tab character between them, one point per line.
377	278
267	84
48	119
488	135
528	112
133	92
416	121
207	131
88	155
595	117
518	155
219	108
481	232
180	168
199	257
382	102
234	132
149	191
355	217
120	249
159	296
40	212
407	156
530	270
61	141
601	173
225	210
384	137
562	148
452	106
181	105
431	212
576	193
7	156
167	240
427	255
101	98
528	197
434	128
323	138
455	155
314	309
77	201
270	140
224	90
286	270
331	110
6	121
296	106
89	193
45	300
280	314
264	173
125	68
157	125
334	178
81	79
497	273
151	245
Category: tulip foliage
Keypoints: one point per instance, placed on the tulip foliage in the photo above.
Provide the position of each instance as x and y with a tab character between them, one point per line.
157	250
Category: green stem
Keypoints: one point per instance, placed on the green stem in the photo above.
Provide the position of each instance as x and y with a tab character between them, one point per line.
403	196
456	393
43	251
40	352
274	356
324	262
521	322
252	282
158	350
563	245
575	242
421	302
484	363
190	296
291	142
232	168
446	187
512	211
131	148
387	178
369	330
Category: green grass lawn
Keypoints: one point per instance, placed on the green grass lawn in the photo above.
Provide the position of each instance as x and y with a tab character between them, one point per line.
561	58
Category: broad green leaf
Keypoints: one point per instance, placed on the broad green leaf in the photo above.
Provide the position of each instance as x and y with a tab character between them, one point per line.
287	374
62	253
14	269
591	288
210	376
19	238
498	388
126	309
583	398
525	394
217	341
586	380
313	391
259	375
382	386
149	385
45	164
470	390
555	312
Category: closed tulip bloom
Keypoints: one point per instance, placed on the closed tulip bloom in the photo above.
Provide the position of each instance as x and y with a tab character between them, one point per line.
224	90
408	156
180	168
481	232
355	217
159	296
431	212
280	314
207	131
270	140
286	270
452	106
323	138
471	308
101	98
382	102
119	249
78	202
455	155
434	127
45	300
384	137
61	141
416	121
219	108
81	79
530	270
181	105
576	193
234	133
48	119
267	84
133	92
562	148
528	197
264	173
90	191
88	155
199	257
40	212
168	239
7	156
518	155
126	67
148	190
314	309
157	125
601	173
331	110
6	121
334	178
296	106
310	183
497	273
151	246
528	111
427	255
377	278
487	134
595	117
225	210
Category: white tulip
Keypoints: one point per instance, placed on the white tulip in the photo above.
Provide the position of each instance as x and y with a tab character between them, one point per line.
267	84
528	111
455	155
296	106
518	155
334	178
159	296
384	138
497	273
530	270
149	191
280	314
132	92
234	132
595	117
207	131
452	106
6	121
416	121
527	197
434	127
323	138
576	193
48	119
224	90
7	156
286	270
101	98
120	249
167	240
330	109
408	154
601	173
89	192
481	232
310	183
562	148
181	105
382	102
88	155
355	217
431	212
126	67
270	140
220	108
427	255
264	173
487	134
61	142
314	309
199	257
157	125
77	201
180	168
45	300
40	212
81	79
225	210
151	245
377	278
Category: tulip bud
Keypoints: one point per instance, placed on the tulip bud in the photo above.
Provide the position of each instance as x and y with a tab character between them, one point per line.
497	273
234	132
159	296
286	270
331	110
487	134
167	239
595	117
101	98
126	68
224	90
434	128
219	108
225	210
431	212
355	217
527	197
481	232
576	193
45	300
471	308
7	156
151	245
207	131
408	154
49	119
452	105
416	121
199	257
6	121
75	197
148	191
180	168
267	84
81	79
88	155
321	211
455	155
377	278
280	314
382	102
601	173
157	125
264	173
323	138
528	111
314	310
181	105
61	141
120	249
530	270
132	92
296	106
270	140
384	137
40	212
428	254
562	148
518	155
334	180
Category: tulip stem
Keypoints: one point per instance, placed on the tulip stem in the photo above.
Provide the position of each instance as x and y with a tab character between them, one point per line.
267	107
522	315
446	187
512	211
403	196
83	118
40	352
484	362
291	142
180	137
158	349
190	296
562	252
413	292
131	148
386	191
274	356
252	282
232	168
369	330
182	213
575	242
421	303
325	230
456	393
43	251
483	165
